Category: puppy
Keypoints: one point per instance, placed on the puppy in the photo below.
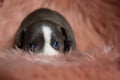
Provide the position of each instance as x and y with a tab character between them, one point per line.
45	31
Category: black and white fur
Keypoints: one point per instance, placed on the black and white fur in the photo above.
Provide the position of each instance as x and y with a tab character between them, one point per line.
45	31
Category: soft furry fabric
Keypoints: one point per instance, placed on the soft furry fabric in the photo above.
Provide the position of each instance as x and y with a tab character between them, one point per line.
96	25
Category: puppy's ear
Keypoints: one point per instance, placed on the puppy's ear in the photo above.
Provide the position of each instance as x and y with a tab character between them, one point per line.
66	40
20	39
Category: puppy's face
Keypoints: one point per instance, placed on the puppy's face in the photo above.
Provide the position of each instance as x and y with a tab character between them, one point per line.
42	36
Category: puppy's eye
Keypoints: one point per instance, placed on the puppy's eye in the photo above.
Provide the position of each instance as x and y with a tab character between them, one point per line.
56	44
31	45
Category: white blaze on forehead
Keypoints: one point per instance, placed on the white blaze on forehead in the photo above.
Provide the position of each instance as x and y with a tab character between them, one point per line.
48	49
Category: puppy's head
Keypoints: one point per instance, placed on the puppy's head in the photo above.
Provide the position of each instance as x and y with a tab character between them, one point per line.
45	31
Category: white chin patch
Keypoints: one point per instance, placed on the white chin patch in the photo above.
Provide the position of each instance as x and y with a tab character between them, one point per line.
48	49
